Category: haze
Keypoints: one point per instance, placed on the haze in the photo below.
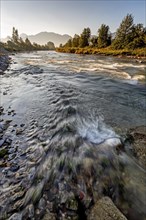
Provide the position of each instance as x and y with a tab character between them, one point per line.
66	17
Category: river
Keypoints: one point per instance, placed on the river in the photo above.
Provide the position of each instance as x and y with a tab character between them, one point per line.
66	117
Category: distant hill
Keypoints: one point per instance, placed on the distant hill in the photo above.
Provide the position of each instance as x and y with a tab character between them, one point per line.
44	37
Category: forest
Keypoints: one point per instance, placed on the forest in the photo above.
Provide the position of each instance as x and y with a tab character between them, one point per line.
129	38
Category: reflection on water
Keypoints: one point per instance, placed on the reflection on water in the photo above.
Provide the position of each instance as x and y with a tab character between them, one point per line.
69	150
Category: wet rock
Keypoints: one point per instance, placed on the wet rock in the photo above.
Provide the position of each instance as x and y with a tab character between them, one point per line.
31	211
42	204
106	210
12	156
1	127
22	125
72	204
16	216
14	167
2	141
8	140
18	131
138	135
49	216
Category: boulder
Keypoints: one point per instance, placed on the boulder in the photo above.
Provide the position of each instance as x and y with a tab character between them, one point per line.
104	209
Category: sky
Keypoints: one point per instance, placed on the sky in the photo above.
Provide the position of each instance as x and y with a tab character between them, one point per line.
66	17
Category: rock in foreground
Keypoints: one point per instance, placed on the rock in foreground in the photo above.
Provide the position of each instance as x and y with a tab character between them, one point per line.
104	209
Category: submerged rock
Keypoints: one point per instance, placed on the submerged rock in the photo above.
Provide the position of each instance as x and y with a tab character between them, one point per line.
104	209
138	135
16	216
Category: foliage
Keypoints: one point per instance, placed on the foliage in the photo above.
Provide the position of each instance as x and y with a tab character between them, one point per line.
141	52
128	37
124	33
69	43
104	38
76	40
94	41
16	43
84	38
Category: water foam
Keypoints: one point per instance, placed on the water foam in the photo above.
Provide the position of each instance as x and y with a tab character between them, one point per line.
96	131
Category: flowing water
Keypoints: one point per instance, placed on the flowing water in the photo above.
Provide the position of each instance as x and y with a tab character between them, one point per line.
68	115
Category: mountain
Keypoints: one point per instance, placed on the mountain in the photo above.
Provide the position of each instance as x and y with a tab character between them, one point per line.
44	37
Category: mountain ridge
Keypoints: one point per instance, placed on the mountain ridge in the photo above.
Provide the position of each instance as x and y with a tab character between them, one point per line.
44	37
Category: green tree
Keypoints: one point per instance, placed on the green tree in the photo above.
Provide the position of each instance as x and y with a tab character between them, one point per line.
104	38
28	45
124	33
138	37
94	41
75	40
84	38
15	36
69	43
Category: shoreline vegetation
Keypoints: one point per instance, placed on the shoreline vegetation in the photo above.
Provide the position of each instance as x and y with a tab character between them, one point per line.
129	40
139	53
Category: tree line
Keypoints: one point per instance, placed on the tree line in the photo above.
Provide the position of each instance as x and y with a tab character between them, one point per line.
127	36
16	43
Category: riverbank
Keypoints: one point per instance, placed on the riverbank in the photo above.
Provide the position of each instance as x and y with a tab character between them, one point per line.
137	53
4	60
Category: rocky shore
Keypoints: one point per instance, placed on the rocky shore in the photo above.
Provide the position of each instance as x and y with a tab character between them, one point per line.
4	61
12	168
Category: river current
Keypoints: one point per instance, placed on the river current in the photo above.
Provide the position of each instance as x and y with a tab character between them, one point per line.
68	115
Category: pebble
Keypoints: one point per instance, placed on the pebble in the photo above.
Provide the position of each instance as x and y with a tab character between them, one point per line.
14	167
31	211
42	204
2	141
18	131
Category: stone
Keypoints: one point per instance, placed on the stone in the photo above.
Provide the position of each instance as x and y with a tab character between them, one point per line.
49	216
16	216
31	211
18	131
2	141
42	204
14	167
138	135
104	209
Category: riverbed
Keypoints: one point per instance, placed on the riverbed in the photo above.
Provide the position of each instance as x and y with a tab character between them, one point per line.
64	120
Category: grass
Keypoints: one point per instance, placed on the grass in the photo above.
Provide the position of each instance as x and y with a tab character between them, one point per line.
137	53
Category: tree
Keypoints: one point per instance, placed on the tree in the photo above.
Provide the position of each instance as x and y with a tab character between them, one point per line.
104	38
28	45
69	43
94	41
15	36
138	37
84	38
75	40
124	33
50	45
